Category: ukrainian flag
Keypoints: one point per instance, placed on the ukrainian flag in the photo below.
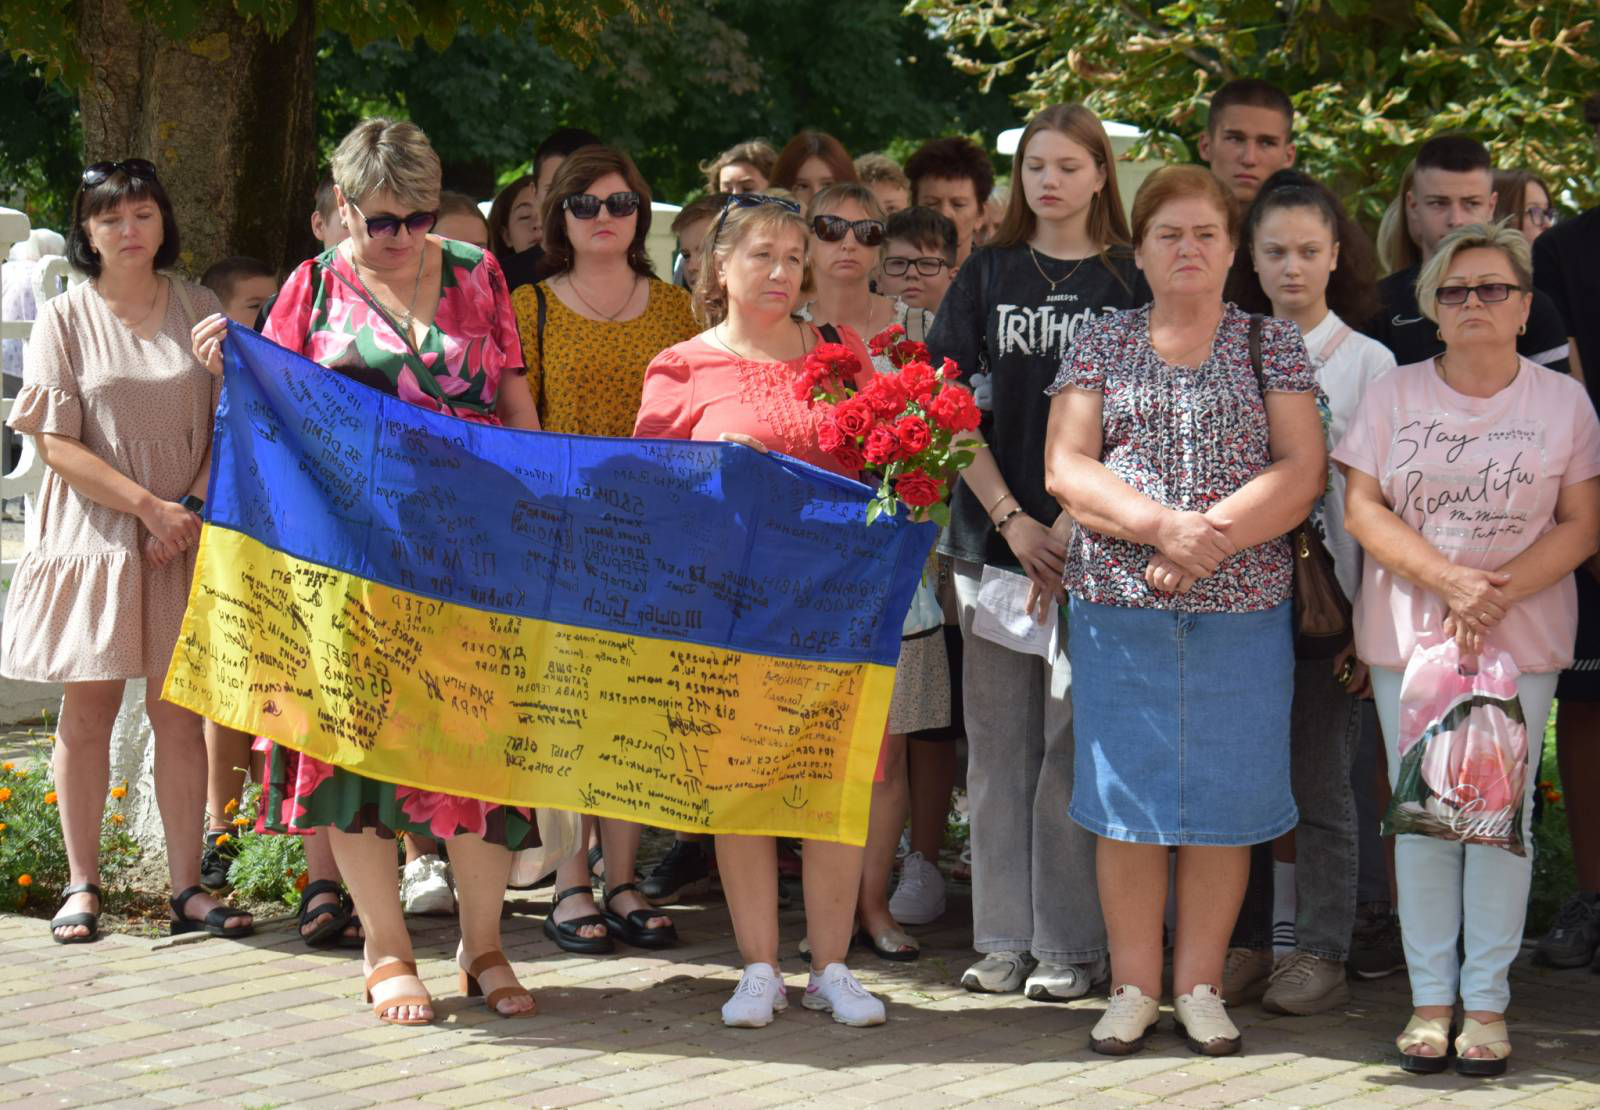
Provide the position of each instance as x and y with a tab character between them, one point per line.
691	635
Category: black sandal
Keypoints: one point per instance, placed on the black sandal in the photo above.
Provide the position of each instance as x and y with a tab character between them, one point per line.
334	916
213	922
68	920
633	928
565	933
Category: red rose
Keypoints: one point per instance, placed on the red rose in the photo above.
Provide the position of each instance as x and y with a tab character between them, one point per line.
949	370
835	359
802	388
909	352
918	379
918	490
885	395
954	410
882	445
913	434
884	338
849	457
828	435
853	418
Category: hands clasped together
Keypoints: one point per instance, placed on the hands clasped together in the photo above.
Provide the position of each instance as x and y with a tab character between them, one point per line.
1189	546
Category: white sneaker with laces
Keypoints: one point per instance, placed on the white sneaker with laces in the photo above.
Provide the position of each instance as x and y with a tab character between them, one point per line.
1203	1022
1129	1018
918	898
759	996
836	990
425	886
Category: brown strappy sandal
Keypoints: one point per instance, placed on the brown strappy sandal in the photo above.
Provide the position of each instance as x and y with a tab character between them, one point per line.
487	962
389	971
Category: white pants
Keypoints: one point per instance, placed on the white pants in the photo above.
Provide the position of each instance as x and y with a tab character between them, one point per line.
1475	891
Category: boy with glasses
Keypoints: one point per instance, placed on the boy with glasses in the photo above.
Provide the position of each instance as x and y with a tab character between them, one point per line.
919	257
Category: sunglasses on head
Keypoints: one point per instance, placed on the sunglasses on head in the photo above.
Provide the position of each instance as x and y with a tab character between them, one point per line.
749	200
379	227
96	172
832	229
1490	292
586	206
927	265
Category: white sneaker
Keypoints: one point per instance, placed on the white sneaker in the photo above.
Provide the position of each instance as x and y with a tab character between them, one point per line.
425	886
1129	1018
1064	982
837	990
759	996
919	896
998	972
1204	1023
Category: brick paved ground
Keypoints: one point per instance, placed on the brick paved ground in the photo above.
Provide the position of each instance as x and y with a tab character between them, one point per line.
267	1023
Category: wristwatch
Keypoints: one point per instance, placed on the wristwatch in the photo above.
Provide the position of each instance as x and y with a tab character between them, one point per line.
192	503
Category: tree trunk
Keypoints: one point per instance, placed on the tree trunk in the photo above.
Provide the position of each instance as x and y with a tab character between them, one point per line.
228	115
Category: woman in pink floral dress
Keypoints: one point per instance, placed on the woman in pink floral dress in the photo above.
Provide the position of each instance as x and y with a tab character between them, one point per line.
428	320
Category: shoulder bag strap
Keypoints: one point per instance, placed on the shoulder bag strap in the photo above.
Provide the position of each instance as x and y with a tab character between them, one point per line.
183	299
541	310
830	334
1255	351
1333	342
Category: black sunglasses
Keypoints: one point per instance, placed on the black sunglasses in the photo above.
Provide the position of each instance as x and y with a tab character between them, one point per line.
749	200
97	172
1490	292
378	227
832	229
927	265
586	206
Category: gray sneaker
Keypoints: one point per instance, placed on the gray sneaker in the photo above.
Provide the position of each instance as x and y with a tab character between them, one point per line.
998	972
1574	936
1376	949
1305	984
1064	982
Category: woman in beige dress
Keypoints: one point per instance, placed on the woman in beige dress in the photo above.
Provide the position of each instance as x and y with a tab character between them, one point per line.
121	414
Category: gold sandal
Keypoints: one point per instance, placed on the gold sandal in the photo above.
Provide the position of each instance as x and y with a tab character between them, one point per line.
488	962
1477	1034
389	971
1422	1032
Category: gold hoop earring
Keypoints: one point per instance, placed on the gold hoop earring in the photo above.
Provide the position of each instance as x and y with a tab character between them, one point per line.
1523	330
1439	335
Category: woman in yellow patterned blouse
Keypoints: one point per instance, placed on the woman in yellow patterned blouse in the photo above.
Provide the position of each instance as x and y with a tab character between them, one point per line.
588	333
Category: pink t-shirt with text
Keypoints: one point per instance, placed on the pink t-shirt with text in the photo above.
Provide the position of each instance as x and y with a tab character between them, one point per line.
1478	478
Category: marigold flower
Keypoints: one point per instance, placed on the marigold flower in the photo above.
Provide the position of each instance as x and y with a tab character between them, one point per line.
8	767
5	793
119	791
2	826
240	821
222	838
300	883
116	818
50	798
24	880
233	804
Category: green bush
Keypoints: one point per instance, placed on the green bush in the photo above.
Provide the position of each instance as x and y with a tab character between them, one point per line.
1554	878
269	867
33	854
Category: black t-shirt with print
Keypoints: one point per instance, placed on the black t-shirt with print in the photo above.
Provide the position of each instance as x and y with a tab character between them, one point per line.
1412	337
1008	332
1566	267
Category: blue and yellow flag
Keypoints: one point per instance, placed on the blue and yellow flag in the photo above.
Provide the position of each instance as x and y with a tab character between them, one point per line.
690	635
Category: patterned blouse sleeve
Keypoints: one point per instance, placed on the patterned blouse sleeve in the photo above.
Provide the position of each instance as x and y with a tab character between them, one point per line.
49	401
289	326
666	408
1084	364
505	332
1285	362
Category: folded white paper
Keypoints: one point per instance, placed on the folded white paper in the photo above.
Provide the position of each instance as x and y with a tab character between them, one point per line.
1002	616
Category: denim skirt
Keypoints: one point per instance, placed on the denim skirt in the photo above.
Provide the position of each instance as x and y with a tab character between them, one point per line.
1182	724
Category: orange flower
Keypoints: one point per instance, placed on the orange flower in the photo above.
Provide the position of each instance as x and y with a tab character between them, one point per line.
50	798
222	838
5	793
2	826
233	804
119	791
24	880
8	767
1554	797
116	818
241	821
300	883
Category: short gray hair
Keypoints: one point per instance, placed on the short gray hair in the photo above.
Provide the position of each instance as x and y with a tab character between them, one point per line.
1507	240
388	154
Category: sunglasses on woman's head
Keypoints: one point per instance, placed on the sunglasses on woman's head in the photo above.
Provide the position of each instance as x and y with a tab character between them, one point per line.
379	227
96	172
832	229
586	206
927	265
1490	292
749	200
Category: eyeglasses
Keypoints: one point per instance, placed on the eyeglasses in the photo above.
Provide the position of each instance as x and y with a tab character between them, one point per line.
749	200
1490	292
96	172
379	227
586	206
927	265
832	229
1542	216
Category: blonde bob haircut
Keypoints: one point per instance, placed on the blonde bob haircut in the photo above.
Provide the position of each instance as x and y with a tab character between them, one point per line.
737	224
381	153
1507	240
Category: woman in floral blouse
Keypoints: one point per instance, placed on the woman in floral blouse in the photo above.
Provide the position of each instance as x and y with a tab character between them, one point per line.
1183	460
427	320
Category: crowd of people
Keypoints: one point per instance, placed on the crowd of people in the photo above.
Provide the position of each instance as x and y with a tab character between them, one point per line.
1176	796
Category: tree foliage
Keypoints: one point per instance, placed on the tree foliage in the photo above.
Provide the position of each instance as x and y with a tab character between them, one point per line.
1370	79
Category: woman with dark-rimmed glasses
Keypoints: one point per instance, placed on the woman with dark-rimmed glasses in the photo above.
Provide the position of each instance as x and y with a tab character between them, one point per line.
121	414
428	320
588	332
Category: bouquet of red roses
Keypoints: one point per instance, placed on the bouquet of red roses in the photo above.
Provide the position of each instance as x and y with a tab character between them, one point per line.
899	428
